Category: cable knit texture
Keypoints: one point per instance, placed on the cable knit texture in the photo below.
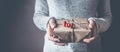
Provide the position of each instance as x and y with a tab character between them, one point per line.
98	10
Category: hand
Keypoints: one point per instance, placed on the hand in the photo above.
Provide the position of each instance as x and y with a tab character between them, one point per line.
92	26
50	31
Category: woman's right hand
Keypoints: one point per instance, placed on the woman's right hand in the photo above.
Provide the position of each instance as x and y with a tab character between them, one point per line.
50	32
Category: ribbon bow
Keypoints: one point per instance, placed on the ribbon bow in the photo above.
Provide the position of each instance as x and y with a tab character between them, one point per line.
69	25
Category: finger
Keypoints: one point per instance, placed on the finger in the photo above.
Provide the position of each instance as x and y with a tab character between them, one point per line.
92	38
52	23
61	44
88	40
53	39
50	30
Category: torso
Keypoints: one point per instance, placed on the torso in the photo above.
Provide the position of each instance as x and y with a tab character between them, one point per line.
72	9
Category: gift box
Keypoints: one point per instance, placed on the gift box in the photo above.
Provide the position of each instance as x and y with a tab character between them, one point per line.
71	30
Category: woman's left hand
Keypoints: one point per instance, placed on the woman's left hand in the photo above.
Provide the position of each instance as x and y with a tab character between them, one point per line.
92	26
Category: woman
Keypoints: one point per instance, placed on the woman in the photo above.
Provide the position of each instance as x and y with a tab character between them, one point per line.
97	11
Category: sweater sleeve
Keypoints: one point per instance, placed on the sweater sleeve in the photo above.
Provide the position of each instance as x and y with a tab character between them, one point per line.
41	14
104	16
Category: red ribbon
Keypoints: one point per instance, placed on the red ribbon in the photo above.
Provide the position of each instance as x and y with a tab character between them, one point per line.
69	25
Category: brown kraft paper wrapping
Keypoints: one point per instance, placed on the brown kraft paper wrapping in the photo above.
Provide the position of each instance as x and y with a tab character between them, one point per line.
71	30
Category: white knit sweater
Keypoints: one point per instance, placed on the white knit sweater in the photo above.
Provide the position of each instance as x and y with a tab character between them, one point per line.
98	10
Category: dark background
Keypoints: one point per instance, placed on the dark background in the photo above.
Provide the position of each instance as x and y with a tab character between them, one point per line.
19	34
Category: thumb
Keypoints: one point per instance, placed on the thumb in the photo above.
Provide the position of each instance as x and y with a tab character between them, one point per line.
52	23
50	30
91	24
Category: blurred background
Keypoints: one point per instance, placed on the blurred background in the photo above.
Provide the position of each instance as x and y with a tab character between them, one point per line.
19	34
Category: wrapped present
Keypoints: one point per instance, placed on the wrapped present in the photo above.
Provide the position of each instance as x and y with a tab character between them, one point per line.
71	30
